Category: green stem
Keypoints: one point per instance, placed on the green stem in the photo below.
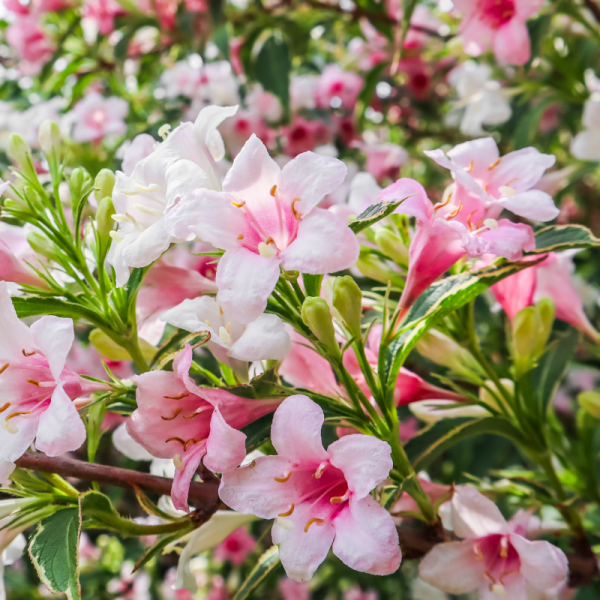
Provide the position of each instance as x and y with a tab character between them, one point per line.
132	346
127	527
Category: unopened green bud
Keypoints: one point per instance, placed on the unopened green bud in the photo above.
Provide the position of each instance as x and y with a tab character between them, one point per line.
347	300
444	351
19	150
105	183
49	138
546	310
104	221
317	317
41	244
33	197
590	402
76	182
392	245
373	267
491	394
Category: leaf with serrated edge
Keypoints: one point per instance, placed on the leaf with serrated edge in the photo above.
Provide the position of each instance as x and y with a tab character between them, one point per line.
54	552
372	214
563	237
266	563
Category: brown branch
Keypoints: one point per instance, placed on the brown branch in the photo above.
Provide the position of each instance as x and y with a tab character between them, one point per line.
593	8
202	494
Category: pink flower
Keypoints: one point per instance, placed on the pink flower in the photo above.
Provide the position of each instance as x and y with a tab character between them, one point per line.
31	43
177	419
494	556
553	278
442	238
499	24
236	547
240	128
218	591
318	497
419	75
384	160
95	117
182	79
293	590
139	148
355	593
265	219
303	136
36	387
15	253
103	13
337	88
264	104
421	17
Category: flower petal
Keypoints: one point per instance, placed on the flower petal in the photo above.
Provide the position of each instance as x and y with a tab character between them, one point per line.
14	445
16	336
183	177
364	460
183	479
127	446
453	568
225	446
147	246
296	430
54	337
263	339
474	515
324	244
60	427
475	157
417	203
511	42
245	281
509	240
366	538
520	170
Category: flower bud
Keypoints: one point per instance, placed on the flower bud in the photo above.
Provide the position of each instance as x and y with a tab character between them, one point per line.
391	245
104	221
317	317
347	300
491	400
42	245
374	268
33	197
105	183
442	350
546	310
19	150
590	402
49	138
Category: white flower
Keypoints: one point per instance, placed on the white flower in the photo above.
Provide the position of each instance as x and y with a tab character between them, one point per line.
586	144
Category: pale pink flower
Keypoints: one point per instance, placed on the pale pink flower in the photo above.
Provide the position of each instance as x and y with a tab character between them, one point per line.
15	253
318	497
27	123
495	557
302	92
384	160
236	547
264	104
176	419
499	24
135	151
102	13
130	585
31	43
369	51
218	591
337	88
356	593
293	590
182	79
94	117
421	17
168	590
442	238
36	387
265	219
240	128
302	135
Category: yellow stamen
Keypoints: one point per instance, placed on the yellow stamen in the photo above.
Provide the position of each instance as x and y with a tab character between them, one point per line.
207	322
240	236
33	382
319	472
438	206
284	478
4	368
288	513
469	220
175	439
492	167
311	521
239	204
478	553
470	167
221	310
17	414
190	442
192	416
173	417
27	353
3	408
184	395
297	215
336	499
272	192
178	462
454	212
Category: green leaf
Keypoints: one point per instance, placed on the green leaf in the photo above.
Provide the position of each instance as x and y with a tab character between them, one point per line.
266	563
109	349
563	237
53	551
374	213
430	443
33	306
435	302
99	509
312	284
258	432
157	548
221	40
93	426
366	94
122	46
272	69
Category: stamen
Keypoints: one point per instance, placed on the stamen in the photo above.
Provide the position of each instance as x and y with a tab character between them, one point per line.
340	499
121	218
228	327
266	251
283	479
129	192
491	223
3	408
178	462
297	215
116	236
239	204
470	167
174	415
478	553
28	353
193	415
153	187
499	589
273	191
17	414
184	395
224	335
153	212
286	524
4	369
252	464
175	439
10	427
319	472
493	166
445	203
164	130
507	191
503	547
135	223
454	212
469	220
240	236
311	521
207	322
288	513
512	181
189	443
33	382
221	310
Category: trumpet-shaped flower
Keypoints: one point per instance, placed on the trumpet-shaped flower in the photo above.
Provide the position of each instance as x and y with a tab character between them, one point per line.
265	219
176	419
442	238
184	162
318	497
14	252
95	117
37	389
494	557
232	343
499	24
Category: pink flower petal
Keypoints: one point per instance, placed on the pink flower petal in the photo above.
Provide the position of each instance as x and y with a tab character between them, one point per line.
511	42
474	515
54	337
225	446
417	203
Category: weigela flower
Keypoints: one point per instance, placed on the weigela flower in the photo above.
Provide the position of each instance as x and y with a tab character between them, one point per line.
31	43
36	388
231	342
586	144
236	547
15	252
95	117
495	557
264	219
176	419
102	14
318	497
337	88
185	161
499	24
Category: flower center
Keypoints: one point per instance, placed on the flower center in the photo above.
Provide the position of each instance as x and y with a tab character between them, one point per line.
500	558
497	12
